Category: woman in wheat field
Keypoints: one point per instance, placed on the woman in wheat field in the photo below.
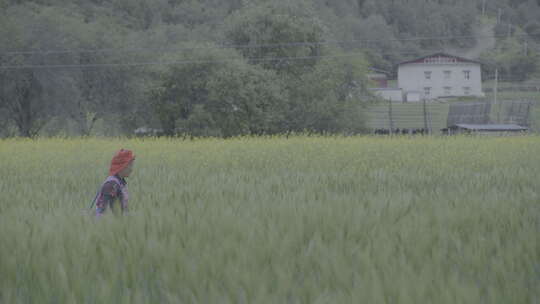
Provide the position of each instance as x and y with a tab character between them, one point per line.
114	189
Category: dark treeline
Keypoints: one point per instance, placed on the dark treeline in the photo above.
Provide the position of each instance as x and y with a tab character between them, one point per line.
226	67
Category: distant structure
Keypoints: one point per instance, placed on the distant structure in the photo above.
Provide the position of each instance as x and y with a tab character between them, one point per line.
474	118
378	78
145	131
473	113
390	94
485	129
440	75
518	112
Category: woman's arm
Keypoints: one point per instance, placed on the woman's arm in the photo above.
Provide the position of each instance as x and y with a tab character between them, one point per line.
109	193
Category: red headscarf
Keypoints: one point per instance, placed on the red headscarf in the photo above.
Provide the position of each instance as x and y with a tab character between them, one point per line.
120	160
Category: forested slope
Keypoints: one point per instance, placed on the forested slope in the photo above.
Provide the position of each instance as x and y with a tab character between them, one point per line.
229	67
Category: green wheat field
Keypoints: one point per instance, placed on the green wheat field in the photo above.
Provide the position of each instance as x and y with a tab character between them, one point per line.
274	220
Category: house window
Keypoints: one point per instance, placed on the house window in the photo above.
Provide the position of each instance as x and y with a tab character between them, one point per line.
447	74
439	60
467	90
447	91
427	91
467	74
427	75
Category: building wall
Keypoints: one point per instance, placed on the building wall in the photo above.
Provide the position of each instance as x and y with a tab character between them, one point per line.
413	96
412	77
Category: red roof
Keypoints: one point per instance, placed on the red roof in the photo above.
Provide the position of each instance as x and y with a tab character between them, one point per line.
440	58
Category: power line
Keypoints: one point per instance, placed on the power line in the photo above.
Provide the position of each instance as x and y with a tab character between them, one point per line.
254	46
509	79
262	59
179	62
129	64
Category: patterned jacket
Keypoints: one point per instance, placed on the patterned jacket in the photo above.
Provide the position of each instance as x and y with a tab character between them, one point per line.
113	189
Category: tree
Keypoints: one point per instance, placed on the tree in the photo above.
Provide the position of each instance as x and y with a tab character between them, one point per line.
245	99
509	57
181	87
381	53
322	100
25	92
22	97
276	31
533	29
217	93
84	91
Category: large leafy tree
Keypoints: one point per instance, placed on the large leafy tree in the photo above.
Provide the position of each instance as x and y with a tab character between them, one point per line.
72	81
21	96
246	99
324	99
270	33
322	83
215	92
510	59
26	93
182	87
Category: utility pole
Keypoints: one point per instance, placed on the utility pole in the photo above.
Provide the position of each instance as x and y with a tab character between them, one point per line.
430	123
425	116
499	13
525	48
528	114
483	7
495	95
510	115
390	118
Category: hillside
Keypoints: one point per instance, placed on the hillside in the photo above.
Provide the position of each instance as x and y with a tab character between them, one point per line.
73	66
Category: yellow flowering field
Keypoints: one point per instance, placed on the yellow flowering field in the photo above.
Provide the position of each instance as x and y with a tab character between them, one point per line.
274	220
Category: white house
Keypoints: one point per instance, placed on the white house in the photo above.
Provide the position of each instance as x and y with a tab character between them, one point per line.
441	75
413	96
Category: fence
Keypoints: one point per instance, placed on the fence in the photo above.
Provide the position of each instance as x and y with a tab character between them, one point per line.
431	117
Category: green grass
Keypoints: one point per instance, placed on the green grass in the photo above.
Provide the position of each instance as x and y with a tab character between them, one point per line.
274	220
407	115
524	96
507	84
